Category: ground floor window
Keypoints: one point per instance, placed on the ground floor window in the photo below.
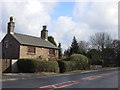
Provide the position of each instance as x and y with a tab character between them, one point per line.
31	49
52	51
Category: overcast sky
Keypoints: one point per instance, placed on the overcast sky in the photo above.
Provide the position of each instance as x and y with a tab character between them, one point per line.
63	19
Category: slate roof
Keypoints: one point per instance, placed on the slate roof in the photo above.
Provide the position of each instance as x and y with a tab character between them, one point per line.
34	41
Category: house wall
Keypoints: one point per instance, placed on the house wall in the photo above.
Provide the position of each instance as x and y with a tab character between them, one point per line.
14	67
0	50
43	52
52	57
6	65
0	67
12	52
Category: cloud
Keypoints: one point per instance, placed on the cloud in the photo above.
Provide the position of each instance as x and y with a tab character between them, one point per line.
65	28
29	15
101	16
87	18
62	29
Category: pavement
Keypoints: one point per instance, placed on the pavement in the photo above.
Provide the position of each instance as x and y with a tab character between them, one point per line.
23	76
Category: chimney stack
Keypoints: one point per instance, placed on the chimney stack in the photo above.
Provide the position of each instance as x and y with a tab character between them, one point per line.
11	26
44	33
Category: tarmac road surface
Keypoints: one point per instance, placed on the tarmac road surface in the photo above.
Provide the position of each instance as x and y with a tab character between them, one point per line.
97	79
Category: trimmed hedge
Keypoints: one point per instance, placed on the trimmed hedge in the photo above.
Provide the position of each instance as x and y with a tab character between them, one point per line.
66	66
75	62
78	57
81	61
33	65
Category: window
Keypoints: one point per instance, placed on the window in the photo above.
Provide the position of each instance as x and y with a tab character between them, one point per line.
31	49
52	51
6	44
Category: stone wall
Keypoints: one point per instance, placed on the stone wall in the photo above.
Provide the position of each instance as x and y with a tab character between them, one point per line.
0	74
0	50
12	51
0	67
40	52
94	67
6	65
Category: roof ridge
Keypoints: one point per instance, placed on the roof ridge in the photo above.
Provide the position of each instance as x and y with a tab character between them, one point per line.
27	35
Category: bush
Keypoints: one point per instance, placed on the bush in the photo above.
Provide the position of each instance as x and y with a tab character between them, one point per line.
66	66
74	62
81	61
47	66
78	57
31	65
26	65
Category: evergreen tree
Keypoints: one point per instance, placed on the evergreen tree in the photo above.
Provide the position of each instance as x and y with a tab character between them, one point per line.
51	39
60	50
74	49
67	52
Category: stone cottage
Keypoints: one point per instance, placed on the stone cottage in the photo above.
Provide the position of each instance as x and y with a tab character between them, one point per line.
17	46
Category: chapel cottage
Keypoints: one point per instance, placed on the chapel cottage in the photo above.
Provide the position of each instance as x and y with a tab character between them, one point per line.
17	46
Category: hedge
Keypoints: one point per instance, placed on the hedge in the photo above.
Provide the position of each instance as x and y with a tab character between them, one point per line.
74	62
66	66
81	61
78	57
33	65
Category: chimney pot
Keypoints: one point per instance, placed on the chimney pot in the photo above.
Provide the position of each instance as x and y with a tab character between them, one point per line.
11	26
11	19
44	27
44	33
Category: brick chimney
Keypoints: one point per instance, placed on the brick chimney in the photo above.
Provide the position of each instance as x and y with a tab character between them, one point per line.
11	26
44	33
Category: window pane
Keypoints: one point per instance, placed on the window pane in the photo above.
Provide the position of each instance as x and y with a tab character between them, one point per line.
6	44
52	51
31	49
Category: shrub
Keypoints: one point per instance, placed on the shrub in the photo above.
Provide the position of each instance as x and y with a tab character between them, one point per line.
30	65
26	65
74	62
66	66
48	66
81	61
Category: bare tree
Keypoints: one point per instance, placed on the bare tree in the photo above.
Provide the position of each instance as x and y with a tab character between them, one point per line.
101	41
84	46
116	47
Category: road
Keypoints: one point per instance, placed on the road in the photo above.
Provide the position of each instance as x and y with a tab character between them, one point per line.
97	79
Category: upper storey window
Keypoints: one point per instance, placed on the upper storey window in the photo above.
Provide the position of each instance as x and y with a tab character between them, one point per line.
6	44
